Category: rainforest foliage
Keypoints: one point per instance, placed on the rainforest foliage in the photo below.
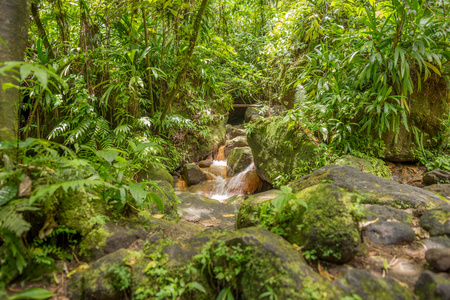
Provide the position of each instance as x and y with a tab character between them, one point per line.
111	87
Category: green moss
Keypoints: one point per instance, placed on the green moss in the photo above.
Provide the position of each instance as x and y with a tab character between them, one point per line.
75	211
95	240
280	149
366	164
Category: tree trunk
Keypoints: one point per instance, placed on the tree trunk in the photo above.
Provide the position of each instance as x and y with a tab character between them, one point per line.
187	59
14	16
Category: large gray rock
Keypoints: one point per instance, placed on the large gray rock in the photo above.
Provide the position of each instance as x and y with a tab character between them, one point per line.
435	177
386	213
437	221
192	174
437	242
432	286
207	212
389	233
371	188
278	149
238	160
155	172
370	287
442	190
439	259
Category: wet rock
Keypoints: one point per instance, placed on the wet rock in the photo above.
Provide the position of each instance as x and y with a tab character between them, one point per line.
386	213
437	221
207	212
437	242
372	189
374	166
169	199
195	149
233	132
239	159
192	174
75	211
432	286
389	233
205	163
326	227
442	190
435	177
155	172
439	259
370	287
279	149
240	141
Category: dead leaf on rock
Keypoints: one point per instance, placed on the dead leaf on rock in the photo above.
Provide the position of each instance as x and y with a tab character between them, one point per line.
228	216
25	187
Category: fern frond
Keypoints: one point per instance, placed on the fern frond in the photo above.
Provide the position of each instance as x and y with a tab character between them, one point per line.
11	218
80	132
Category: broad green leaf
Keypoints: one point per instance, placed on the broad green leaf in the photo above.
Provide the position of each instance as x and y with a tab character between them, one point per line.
138	193
32	294
156	199
197	286
108	155
286	189
25	70
8	192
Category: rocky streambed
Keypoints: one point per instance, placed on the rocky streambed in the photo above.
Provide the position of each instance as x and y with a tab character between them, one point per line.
361	237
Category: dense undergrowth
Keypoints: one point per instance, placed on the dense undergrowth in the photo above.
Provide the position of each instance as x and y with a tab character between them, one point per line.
97	77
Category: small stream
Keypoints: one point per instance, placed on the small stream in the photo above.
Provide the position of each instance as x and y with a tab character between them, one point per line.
221	187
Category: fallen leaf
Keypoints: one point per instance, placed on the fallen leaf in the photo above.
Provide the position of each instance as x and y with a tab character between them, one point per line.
25	187
160	216
228	216
78	269
324	273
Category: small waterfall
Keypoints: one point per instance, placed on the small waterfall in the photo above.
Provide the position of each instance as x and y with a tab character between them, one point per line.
219	187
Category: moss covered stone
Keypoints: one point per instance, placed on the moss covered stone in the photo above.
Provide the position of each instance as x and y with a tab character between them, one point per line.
429	107
373	165
250	210
437	221
75	211
155	172
431	286
170	200
327	226
280	149
239	159
370	287
371	188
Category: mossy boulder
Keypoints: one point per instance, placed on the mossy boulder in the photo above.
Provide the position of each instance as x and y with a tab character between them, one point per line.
240	141
279	149
431	286
193	175
373	165
77	210
437	221
250	209
371	189
109	238
441	190
97	282
155	172
428	108
327	227
386	213
169	199
239	159
371	287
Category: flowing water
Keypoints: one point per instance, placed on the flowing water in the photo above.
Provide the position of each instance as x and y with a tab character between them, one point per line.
219	186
